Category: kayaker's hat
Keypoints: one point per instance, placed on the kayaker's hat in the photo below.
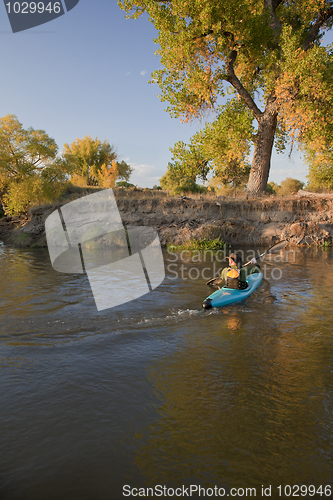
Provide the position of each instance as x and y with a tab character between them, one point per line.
232	256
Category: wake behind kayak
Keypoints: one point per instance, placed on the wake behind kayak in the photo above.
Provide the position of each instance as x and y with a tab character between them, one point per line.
227	296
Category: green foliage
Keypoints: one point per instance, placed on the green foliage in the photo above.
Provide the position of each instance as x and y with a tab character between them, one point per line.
124	171
189	161
272	188
320	175
222	148
268	53
33	190
304	92
215	244
124	184
21	239
24	152
227	142
30	171
176	183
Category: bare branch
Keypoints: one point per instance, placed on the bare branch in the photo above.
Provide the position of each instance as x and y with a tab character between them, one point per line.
233	80
322	19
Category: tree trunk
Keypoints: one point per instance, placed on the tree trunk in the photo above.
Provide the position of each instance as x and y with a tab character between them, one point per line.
261	162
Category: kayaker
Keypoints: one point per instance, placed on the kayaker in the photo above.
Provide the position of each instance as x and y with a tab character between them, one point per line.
235	275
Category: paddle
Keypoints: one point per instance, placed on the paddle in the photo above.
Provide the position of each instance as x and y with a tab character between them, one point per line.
215	281
274	248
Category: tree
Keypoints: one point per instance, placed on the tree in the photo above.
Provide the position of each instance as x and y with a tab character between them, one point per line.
272	188
320	169
34	189
24	152
290	186
174	182
188	165
124	171
107	175
266	52
227	142
125	184
221	149
30	170
190	161
87	158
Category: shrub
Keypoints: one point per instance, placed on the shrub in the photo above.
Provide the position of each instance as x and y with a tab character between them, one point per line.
180	185
272	188
215	244
32	190
124	184
290	186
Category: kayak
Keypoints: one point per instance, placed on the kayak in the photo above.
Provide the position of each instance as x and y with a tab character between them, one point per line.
227	296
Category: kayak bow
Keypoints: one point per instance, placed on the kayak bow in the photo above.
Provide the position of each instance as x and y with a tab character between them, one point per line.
227	296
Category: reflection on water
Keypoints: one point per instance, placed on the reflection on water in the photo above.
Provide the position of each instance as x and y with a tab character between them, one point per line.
245	412
234	322
159	391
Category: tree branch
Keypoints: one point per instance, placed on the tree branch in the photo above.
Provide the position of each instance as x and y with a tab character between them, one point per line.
276	3
233	80
227	34
271	5
324	16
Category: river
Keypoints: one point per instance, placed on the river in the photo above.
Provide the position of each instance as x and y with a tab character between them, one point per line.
160	392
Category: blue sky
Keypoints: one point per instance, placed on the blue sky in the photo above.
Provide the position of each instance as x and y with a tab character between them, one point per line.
86	73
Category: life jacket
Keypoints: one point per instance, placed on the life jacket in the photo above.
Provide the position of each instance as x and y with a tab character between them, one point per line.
233	278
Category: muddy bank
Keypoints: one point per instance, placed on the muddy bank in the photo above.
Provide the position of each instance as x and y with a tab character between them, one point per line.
302	220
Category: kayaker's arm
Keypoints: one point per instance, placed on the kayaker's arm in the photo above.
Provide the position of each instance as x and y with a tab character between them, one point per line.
224	274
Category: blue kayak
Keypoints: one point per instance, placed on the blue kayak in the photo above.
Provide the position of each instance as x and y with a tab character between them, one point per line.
227	296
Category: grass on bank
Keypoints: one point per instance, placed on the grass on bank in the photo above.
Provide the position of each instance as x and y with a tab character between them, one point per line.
326	245
21	240
215	244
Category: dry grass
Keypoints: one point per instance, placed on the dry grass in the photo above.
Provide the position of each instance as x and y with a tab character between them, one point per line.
163	197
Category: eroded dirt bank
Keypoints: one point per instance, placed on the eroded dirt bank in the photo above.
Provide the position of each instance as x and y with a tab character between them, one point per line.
302	220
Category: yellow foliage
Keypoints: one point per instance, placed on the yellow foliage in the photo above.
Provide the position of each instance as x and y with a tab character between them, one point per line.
3	184
78	180
107	175
32	190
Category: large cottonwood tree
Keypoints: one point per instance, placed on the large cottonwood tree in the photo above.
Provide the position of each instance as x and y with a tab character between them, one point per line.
268	52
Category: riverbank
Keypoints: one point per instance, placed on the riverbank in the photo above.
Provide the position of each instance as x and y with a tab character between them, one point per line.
303	219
